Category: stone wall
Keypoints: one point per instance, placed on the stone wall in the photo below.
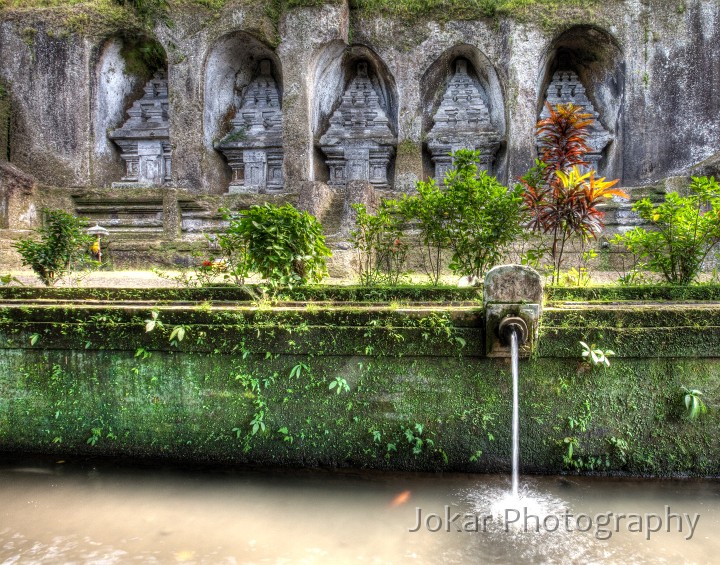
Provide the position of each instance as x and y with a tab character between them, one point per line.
650	71
71	371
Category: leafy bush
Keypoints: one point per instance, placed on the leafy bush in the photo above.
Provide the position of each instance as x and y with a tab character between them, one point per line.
62	246
474	216
685	229
426	211
694	404
380	243
482	217
561	200
286	246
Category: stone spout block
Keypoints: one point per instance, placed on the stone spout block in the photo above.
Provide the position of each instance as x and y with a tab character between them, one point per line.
513	296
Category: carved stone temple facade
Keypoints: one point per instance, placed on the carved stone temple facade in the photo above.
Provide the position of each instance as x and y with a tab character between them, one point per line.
462	121
359	143
253	148
566	87
144	138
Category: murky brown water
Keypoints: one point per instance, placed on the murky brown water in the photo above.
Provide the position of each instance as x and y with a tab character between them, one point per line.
62	513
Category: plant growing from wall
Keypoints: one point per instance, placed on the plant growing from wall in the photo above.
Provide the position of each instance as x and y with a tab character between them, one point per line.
286	246
562	200
62	247
694	405
684	231
596	356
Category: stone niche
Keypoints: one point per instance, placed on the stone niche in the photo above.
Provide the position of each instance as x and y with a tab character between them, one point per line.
359	143
584	65
144	139
463	108
253	148
462	121
242	117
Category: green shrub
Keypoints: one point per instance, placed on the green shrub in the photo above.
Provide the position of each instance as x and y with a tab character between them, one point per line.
474	216
380	243
285	246
685	229
482	216
62	246
426	210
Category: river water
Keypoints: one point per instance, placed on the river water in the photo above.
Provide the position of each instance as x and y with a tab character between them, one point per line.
66	512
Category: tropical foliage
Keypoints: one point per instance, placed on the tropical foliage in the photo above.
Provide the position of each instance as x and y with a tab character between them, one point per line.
284	245
684	230
561	198
472	218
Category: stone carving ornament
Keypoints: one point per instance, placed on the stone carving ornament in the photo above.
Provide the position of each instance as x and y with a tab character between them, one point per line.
565	87
462	121
359	143
144	138
253	148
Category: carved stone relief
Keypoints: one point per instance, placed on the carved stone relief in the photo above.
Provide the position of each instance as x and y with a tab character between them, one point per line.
359	142
566	87
462	121
144	138
253	148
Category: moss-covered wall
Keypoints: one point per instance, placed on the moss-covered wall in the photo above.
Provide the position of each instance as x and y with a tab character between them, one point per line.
396	387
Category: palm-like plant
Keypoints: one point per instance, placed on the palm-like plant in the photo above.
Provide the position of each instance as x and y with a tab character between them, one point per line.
560	199
562	138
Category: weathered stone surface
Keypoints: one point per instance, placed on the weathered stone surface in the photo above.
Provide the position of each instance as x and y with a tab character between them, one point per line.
49	79
462	122
115	88
17	198
359	192
315	198
649	69
145	137
253	147
513	284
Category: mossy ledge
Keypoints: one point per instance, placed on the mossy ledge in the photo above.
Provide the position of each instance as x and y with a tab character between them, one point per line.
361	386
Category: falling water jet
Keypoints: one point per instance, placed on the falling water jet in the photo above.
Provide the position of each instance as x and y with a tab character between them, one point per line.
514	330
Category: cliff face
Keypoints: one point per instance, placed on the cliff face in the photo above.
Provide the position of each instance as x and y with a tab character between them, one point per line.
649	70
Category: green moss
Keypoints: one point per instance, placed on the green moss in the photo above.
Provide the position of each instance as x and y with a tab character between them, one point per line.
202	407
704	292
89	17
547	13
320	293
143	57
91	380
407	147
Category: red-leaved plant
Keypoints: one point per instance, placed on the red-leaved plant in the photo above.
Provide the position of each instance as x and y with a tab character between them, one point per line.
559	198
